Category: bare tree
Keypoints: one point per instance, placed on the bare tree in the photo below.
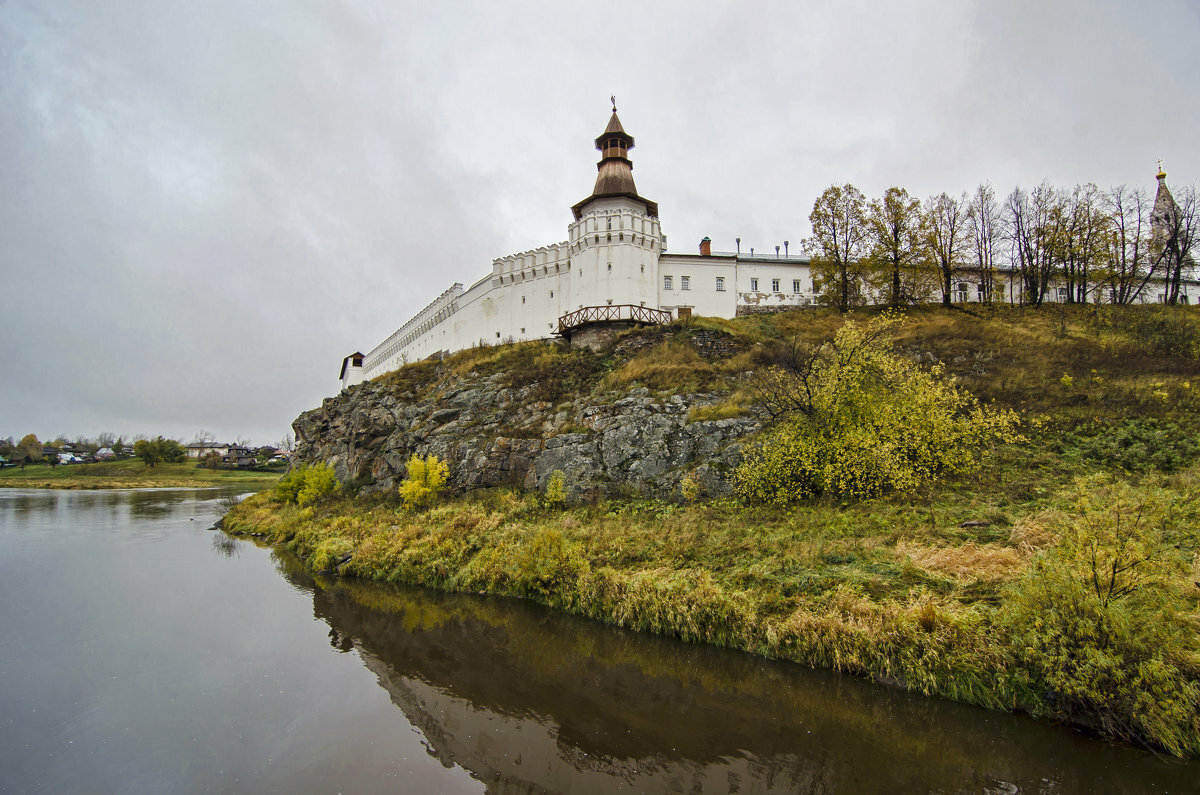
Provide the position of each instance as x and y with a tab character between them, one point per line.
1130	265
1082	242
983	237
1033	229
839	244
946	237
894	223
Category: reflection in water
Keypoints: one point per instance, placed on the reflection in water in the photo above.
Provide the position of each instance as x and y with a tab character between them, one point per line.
227	546
532	701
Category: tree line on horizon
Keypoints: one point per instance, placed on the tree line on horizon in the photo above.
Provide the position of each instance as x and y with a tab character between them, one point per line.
30	449
1097	244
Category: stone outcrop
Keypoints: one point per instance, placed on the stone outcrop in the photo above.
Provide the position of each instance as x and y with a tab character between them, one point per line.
493	435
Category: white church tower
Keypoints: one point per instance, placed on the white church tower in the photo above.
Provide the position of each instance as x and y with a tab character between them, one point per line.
615	239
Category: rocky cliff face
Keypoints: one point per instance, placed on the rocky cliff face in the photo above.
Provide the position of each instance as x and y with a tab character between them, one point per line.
491	434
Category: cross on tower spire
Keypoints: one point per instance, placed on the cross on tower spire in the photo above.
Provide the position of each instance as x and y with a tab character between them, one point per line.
613	98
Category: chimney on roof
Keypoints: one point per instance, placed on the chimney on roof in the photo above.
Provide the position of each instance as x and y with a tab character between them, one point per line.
706	247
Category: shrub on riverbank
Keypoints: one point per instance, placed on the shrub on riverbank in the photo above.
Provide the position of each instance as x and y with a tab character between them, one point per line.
857	421
1103	623
306	484
424	481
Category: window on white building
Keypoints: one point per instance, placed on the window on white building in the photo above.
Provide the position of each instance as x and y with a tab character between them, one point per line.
774	285
720	284
667	283
754	285
1062	294
685	282
796	286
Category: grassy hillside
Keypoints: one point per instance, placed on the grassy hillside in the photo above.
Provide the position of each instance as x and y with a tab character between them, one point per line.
129	474
1060	579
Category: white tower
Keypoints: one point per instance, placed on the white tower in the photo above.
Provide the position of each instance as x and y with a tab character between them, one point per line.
352	370
615	239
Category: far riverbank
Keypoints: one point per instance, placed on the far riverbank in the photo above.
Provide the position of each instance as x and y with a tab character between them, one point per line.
131	474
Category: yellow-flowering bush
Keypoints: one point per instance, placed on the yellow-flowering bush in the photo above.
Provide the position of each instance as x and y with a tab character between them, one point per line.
306	484
425	481
858	421
1103	623
556	489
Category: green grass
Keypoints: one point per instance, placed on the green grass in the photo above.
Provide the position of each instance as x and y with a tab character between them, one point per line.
129	474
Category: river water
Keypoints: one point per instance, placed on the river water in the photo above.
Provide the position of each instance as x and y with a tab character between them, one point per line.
141	652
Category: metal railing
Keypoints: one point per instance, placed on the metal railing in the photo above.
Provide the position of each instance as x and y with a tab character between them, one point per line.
629	313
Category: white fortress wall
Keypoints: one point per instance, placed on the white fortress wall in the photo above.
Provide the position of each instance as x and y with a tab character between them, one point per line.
391	353
704	284
521	299
775	282
537	286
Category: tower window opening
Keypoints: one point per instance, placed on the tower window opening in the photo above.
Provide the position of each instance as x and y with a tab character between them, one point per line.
720	284
522	299
610	223
610	267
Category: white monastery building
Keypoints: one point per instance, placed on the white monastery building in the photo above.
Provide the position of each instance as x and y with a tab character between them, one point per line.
611	269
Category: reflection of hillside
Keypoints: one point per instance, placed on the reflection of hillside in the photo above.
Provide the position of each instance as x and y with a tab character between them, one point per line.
533	701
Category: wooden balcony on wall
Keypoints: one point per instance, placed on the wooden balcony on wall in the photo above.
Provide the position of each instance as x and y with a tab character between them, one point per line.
610	313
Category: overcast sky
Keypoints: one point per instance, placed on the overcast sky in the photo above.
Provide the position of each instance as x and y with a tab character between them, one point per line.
205	205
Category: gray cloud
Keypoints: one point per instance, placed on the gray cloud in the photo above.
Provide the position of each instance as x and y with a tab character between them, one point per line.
204	206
